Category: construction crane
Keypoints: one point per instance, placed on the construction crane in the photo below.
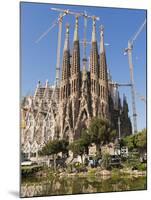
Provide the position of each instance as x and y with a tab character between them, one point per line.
85	42
142	98
115	84
128	51
78	14
59	21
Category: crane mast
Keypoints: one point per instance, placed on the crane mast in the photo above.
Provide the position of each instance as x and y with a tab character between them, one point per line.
85	42
58	53
63	13
77	14
128	51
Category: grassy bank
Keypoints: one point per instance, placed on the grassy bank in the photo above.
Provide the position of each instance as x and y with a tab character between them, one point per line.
82	171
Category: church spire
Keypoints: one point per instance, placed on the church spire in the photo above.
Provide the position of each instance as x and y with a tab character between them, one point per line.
66	44
66	56
103	64
64	90
94	31
94	69
76	38
94	53
75	68
102	49
103	77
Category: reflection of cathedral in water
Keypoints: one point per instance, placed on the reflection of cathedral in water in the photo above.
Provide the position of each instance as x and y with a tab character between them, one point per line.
62	112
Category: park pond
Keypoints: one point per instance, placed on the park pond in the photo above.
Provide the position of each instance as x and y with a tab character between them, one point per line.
80	184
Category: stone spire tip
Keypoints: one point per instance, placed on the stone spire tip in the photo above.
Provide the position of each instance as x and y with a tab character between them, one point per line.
47	83
102	39
76	38
94	31
66	44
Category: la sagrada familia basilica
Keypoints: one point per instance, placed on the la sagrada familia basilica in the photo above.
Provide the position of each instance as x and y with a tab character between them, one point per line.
56	112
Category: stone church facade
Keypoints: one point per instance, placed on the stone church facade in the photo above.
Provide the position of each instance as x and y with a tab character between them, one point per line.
62	112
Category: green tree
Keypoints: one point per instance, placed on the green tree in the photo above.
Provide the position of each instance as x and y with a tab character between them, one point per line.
78	148
86	139
53	148
106	161
129	141
137	141
64	146
101	132
141	141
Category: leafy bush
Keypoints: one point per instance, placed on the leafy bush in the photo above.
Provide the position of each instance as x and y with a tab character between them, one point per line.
142	167
92	171
106	161
80	167
30	171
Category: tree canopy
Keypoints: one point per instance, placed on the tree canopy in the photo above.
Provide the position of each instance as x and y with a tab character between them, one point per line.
54	147
77	147
101	131
137	141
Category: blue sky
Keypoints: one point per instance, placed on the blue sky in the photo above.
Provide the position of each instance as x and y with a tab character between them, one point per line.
38	61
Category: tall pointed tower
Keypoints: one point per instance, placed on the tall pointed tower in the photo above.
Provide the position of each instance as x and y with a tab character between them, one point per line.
103	79
64	91
75	67
64	86
94	69
75	74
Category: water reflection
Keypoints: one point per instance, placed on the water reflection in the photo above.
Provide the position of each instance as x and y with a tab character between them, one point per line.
75	185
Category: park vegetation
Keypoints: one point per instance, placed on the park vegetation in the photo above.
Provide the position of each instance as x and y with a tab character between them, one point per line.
136	142
100	132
